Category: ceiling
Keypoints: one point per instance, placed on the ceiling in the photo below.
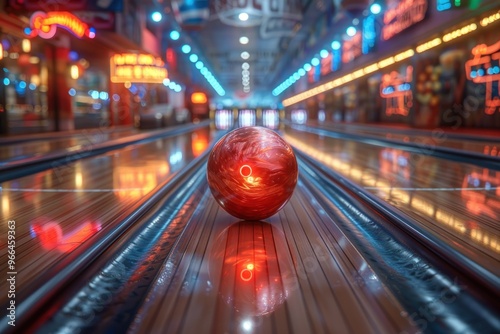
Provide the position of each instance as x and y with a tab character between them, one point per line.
275	36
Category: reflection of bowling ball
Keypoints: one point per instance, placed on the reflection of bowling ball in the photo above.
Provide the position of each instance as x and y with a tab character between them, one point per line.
252	172
253	281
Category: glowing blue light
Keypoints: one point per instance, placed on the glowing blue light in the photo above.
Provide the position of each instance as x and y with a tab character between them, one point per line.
301	72
323	53
73	56
156	16
204	71
72	92
307	67
186	48
32	86
375	8
336	45
27	30
174	35
95	94
315	61
103	95
22	85
193	58
480	72
351	31
473	74
199	65
296	76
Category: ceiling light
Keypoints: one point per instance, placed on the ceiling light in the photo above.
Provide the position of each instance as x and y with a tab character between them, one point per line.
323	53
307	67
301	72
375	8
245	66
243	16
244	40
245	55
193	58
174	35
186	48
335	45
351	31
199	65
315	61
156	16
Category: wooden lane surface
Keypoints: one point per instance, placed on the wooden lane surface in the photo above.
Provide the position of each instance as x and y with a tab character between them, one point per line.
459	203
288	274
58	210
436	138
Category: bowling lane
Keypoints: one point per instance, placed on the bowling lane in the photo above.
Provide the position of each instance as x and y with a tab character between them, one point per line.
287	274
457	202
57	210
426	140
42	146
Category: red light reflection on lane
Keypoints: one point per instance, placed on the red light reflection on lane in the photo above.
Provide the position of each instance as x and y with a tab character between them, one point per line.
52	237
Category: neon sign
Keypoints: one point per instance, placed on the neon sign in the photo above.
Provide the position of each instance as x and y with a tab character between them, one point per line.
131	67
351	49
402	16
326	64
396	89
485	68
45	25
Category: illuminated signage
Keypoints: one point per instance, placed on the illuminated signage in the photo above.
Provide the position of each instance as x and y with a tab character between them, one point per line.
336	59
442	5
131	67
45	25
351	48
402	16
485	68
198	97
396	90
326	64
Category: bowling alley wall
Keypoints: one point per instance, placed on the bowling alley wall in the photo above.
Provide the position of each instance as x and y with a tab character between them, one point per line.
441	71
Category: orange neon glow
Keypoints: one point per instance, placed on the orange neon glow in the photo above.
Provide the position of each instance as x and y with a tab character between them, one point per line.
133	182
45	24
51	236
485	68
352	48
396	89
131	67
198	97
403	15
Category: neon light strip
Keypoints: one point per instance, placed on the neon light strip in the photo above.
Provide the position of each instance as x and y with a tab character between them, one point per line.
389	61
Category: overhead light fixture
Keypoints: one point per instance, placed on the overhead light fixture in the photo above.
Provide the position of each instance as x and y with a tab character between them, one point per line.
323	53
156	16
199	65
351	31
307	67
186	48
245	66
193	58
245	55
315	61
336	45
243	16
244	40
174	35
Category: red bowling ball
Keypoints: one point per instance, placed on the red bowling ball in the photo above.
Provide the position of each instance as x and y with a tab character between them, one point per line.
252	172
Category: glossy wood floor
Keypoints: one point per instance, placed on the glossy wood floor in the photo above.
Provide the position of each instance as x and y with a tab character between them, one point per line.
295	272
